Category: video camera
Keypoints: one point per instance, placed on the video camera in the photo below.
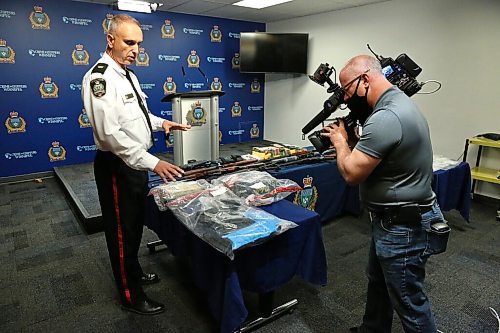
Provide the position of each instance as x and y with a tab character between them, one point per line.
401	72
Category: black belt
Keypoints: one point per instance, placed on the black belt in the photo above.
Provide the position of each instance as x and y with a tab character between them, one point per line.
406	214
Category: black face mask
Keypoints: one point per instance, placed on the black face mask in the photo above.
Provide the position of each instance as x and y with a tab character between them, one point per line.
359	105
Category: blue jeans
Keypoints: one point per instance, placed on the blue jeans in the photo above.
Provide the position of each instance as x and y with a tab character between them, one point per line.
396	273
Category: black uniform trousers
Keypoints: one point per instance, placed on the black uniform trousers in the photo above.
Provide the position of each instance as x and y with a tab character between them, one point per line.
122	192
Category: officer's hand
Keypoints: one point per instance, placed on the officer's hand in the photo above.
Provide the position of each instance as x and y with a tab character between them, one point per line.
165	169
170	125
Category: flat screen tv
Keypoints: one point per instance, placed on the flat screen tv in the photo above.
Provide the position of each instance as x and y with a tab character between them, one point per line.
263	52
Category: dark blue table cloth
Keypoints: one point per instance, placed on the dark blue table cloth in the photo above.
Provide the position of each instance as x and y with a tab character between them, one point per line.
261	268
452	188
326	192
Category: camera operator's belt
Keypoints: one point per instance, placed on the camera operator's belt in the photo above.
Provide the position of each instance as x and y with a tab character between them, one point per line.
406	214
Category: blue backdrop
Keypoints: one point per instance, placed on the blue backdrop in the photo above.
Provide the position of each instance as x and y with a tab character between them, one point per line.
47	46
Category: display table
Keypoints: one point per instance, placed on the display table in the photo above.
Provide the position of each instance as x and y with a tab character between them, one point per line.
326	192
261	268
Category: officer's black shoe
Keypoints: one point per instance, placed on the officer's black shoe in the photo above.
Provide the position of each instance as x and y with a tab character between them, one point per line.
149	278
144	307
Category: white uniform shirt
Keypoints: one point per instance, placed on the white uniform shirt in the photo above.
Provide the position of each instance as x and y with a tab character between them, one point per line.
118	123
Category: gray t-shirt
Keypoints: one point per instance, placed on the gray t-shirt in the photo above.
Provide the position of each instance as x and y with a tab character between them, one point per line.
398	134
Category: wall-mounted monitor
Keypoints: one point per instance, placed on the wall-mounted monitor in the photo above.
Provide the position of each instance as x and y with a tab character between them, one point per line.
263	52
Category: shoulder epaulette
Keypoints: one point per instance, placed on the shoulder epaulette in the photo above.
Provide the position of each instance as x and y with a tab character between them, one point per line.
100	68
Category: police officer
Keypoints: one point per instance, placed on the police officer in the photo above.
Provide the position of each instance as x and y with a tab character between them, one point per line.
122	128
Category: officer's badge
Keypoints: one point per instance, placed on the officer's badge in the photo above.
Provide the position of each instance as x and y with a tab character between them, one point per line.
7	54
57	152
197	116
255	87
98	87
142	58
83	120
216	85
308	196
80	56
39	19
106	22
254	131
15	124
215	35
236	109
169	87
47	88
193	59
235	61
167	30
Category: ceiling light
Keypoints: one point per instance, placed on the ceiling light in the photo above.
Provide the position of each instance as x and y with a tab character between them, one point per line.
259	4
134	6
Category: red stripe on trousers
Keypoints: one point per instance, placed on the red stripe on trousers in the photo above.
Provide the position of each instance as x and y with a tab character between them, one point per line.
120	241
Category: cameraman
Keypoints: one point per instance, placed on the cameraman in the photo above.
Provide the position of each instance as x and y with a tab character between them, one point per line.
392	162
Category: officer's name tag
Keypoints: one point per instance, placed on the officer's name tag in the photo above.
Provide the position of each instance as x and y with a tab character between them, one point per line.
127	98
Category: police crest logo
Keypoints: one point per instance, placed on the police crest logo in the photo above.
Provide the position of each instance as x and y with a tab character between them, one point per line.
255	87
39	19
193	59
83	120
48	89
236	109
197	115
308	196
15	124
98	87
7	54
167	30
57	152
142	58
215	35
254	131
216	85
80	56
169	87
106	22
235	61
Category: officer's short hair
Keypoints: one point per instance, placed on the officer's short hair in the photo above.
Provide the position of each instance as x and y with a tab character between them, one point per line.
119	19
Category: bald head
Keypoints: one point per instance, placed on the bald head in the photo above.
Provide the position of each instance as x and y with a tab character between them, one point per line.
360	64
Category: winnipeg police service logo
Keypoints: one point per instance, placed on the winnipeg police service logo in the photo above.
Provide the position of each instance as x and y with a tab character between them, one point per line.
197	116
169	87
193	59
235	61
142	58
80	56
254	131
57	152
216	85
308	196
7	54
15	124
106	22
98	87
236	109
39	19
167	30
47	88
83	120
169	142
215	35
255	87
